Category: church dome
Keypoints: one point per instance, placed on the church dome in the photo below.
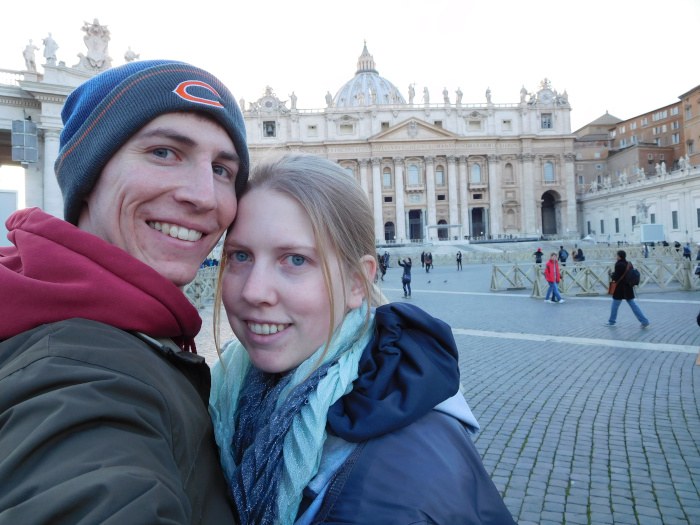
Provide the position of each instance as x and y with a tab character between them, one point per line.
367	87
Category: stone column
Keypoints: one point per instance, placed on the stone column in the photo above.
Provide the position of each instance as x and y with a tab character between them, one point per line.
399	193
377	199
452	189
430	194
531	205
363	175
53	200
570	181
495	200
464	195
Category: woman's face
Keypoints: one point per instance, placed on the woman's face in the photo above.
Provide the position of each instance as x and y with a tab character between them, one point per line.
273	288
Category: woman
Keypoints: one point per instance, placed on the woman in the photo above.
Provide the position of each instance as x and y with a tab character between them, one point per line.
552	276
406	277
623	290
325	408
459	260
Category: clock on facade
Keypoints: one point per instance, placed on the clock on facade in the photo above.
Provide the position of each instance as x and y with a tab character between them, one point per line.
545	96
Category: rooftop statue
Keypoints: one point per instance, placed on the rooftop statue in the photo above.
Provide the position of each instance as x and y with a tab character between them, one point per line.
130	56
96	39
29	60
50	47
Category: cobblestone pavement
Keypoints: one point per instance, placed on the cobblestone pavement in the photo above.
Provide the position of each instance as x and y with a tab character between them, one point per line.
581	423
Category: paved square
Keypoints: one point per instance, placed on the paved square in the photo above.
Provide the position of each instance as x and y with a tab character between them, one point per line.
581	423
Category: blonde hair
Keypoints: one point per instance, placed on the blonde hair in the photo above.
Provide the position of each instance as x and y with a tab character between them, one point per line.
340	215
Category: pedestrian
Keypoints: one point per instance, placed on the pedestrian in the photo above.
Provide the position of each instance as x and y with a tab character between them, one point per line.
538	256
552	276
102	413
563	255
623	290
422	259
579	256
386	259
382	266
459	260
323	405
686	251
406	277
428	262
646	251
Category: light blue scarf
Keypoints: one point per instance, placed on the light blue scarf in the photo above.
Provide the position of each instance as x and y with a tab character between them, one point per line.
303	443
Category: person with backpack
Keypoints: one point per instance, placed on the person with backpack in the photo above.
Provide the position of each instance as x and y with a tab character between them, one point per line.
563	255
428	262
686	251
538	256
625	278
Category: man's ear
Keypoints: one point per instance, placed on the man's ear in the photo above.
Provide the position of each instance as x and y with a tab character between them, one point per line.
357	288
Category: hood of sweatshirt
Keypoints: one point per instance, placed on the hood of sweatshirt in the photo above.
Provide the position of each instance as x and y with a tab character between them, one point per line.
408	368
56	271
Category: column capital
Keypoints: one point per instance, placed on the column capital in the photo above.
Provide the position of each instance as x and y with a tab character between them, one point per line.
363	162
570	156
398	160
527	157
451	159
462	159
493	157
376	161
429	159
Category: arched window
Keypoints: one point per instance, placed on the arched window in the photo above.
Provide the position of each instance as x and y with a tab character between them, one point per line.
413	174
439	175
386	178
476	173
548	171
508	173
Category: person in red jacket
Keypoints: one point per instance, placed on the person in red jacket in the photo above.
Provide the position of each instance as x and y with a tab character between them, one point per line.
551	274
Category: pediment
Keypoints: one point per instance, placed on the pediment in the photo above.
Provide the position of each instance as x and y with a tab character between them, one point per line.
413	129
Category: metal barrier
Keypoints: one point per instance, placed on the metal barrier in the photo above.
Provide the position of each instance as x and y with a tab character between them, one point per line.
203	288
591	278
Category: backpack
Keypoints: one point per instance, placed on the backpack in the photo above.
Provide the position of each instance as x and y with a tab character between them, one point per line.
633	276
563	254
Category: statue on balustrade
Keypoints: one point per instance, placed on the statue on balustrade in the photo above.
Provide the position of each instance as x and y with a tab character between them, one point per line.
130	56
50	48
29	60
426	95
96	40
459	96
411	93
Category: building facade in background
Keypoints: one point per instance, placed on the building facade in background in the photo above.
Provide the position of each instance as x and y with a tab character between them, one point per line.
435	166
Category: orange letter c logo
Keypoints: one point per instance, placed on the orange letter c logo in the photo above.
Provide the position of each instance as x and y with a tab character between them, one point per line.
181	91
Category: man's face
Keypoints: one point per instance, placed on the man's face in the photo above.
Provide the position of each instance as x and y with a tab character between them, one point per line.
167	195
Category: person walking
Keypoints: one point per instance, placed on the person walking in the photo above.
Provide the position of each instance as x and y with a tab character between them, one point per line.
552	276
538	256
428	262
406	277
686	251
422	259
646	251
382	266
386	259
459	261
623	290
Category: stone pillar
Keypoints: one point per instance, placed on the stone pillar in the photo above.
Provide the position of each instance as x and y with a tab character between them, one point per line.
464	195
377	199
430	194
363	175
570	181
400	193
494	177
452	188
53	200
531	205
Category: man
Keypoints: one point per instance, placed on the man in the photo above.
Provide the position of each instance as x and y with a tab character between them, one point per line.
563	255
104	406
552	276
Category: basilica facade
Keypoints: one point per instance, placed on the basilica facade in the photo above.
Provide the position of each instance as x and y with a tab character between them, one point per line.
446	169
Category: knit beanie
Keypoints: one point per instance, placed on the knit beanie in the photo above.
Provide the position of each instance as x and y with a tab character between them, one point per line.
104	112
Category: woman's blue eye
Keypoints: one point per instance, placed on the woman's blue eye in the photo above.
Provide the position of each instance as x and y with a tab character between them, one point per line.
240	256
297	260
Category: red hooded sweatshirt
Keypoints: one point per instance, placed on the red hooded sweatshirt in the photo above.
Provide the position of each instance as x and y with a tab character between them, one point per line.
56	271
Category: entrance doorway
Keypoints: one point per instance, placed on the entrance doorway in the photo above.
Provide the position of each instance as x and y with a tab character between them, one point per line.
389	232
549	213
415	225
478	222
